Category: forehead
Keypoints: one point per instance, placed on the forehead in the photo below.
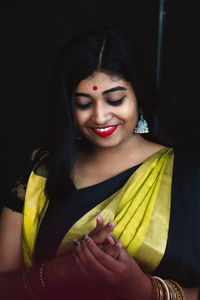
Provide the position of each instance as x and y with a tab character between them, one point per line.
100	82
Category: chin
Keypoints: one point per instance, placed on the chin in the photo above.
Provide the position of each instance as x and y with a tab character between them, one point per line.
106	143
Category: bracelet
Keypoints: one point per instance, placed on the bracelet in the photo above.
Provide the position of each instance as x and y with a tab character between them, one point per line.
27	285
172	292
167	289
178	289
161	290
42	277
35	294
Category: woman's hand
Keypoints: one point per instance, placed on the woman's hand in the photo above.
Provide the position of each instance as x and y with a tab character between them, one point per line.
103	237
101	232
120	277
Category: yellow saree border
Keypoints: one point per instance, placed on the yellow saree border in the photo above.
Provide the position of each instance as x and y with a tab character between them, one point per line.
141	210
35	206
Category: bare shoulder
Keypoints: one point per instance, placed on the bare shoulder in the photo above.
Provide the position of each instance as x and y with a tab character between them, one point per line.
150	148
10	240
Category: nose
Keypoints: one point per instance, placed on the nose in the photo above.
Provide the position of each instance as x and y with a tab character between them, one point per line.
101	114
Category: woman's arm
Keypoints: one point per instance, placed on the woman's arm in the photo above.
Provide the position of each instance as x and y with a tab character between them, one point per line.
11	263
61	277
191	294
10	241
60	274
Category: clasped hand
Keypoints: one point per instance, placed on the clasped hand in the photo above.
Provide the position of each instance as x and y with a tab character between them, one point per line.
107	264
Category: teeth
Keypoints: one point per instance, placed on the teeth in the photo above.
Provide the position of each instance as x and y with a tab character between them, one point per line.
103	129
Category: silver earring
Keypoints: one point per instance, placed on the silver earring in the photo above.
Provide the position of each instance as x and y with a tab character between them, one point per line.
79	138
142	126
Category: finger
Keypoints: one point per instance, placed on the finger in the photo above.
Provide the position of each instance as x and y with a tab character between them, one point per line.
102	235
100	222
112	250
110	240
84	271
116	248
78	263
79	253
83	261
109	250
89	262
104	259
99	225
124	256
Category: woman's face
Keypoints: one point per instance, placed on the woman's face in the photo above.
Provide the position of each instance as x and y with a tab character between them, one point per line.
106	110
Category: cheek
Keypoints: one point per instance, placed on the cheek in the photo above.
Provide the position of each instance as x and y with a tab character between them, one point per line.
78	118
81	117
129	113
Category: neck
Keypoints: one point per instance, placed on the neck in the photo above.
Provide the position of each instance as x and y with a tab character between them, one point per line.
132	144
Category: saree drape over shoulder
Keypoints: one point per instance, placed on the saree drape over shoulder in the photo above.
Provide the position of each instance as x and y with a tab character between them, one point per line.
140	209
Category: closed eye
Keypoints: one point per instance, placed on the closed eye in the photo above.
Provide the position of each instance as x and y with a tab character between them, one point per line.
83	106
110	102
116	102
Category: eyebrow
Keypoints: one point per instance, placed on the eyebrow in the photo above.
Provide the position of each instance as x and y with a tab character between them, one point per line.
117	88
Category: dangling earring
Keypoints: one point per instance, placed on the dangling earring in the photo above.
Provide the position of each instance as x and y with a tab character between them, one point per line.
77	136
142	126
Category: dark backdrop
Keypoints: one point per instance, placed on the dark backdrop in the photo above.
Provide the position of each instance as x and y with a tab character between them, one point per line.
32	37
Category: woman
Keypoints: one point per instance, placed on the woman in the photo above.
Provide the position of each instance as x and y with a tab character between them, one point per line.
101	168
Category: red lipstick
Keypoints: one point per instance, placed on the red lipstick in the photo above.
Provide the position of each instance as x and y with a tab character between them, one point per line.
104	131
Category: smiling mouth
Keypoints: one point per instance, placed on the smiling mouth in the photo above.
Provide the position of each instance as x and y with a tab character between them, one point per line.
104	131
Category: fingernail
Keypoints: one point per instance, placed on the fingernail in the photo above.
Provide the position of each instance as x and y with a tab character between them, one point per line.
119	245
83	237
76	243
111	223
87	239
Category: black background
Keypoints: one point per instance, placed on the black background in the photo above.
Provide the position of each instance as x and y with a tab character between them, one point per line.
32	36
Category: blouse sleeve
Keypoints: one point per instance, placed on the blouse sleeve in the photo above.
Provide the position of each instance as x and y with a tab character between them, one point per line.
16	197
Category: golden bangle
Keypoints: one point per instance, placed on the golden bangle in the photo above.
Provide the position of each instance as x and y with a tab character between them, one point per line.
42	277
35	294
167	289
171	290
180	295
164	286
161	290
27	285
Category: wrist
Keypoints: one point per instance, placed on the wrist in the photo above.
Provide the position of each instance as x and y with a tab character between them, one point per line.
191	293
149	289
60	271
33	281
56	274
42	280
143	288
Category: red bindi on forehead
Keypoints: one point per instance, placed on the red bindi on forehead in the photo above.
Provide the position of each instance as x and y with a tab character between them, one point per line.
95	87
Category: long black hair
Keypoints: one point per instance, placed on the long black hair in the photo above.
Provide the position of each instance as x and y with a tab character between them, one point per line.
105	50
